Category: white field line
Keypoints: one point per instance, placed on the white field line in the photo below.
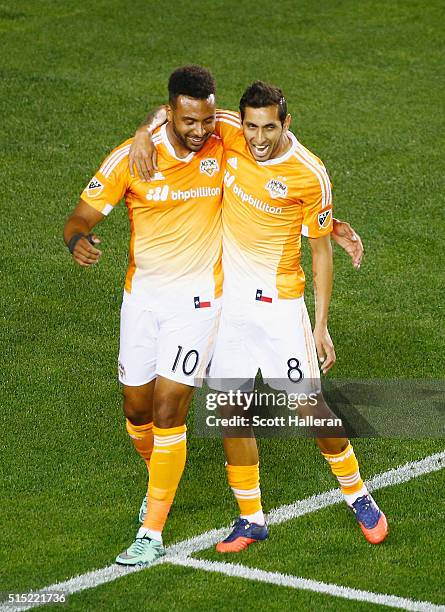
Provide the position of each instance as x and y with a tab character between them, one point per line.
398	475
178	554
241	571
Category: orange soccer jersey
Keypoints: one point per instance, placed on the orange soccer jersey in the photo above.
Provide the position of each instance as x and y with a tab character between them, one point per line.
175	221
267	206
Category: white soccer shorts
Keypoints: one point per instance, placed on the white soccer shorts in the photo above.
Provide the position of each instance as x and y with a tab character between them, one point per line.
273	337
175	345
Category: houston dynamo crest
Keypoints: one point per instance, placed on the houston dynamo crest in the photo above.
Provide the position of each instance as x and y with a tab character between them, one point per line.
276	189
209	166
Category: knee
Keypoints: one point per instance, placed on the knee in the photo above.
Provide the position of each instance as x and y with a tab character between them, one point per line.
136	408
332	446
167	411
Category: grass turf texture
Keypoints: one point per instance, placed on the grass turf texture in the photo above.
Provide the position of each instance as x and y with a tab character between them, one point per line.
363	86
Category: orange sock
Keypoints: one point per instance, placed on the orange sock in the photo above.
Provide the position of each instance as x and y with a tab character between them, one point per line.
166	467
244	481
142	438
345	467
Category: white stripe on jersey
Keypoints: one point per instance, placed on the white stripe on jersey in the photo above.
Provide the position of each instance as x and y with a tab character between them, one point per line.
231	116
111	158
108	168
107	209
325	197
318	175
319	170
228	113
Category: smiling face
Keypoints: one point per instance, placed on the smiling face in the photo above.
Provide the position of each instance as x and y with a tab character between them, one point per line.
191	122
265	135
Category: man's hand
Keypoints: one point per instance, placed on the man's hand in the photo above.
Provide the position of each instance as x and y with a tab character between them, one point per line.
85	253
325	348
77	236
349	240
143	154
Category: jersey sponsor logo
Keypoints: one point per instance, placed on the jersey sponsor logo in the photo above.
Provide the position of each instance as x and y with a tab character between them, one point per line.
158	194
94	188
162	194
209	166
233	161
276	189
324	219
158	176
229	181
199	304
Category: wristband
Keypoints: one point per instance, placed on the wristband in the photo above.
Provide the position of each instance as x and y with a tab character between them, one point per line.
75	239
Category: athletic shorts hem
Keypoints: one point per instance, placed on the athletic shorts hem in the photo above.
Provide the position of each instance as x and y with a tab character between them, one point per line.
137	384
190	382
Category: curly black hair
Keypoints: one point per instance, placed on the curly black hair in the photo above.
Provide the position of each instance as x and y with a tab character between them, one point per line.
194	81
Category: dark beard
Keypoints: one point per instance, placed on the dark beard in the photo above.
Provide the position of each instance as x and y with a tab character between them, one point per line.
181	138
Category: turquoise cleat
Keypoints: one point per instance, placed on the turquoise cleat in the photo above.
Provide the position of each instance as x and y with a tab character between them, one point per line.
143	510
143	551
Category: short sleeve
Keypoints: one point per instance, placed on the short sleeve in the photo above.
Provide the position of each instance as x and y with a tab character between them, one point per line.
109	184
228	124
317	204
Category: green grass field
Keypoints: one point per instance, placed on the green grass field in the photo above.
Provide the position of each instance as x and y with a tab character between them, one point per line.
363	80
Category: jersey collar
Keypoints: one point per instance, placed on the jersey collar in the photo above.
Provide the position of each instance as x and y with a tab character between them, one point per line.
285	156
170	147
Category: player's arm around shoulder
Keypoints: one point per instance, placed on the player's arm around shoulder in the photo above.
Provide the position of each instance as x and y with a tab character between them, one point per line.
77	234
143	153
322	269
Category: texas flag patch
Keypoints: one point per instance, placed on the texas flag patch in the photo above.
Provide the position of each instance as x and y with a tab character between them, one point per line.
262	298
199	304
324	219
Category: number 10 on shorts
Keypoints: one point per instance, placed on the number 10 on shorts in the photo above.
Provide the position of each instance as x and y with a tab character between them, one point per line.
189	361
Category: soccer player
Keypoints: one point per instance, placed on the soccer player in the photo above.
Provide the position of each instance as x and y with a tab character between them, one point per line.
275	190
170	306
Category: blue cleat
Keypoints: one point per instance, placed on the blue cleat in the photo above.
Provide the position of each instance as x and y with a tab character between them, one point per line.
242	535
371	519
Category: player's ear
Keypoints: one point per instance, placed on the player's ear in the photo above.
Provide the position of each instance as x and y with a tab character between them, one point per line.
287	122
169	110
